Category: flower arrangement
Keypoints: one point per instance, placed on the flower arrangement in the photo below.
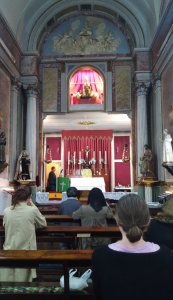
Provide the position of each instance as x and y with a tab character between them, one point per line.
92	161
77	95
101	161
94	95
72	161
82	161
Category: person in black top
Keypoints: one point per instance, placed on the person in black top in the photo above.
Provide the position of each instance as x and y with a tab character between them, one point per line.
67	207
52	180
160	230
132	269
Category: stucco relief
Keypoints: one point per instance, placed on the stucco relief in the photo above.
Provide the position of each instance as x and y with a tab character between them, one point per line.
123	88
86	41
50	90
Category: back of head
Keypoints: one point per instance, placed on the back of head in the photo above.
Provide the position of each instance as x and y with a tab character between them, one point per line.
96	199
166	214
21	194
132	214
72	192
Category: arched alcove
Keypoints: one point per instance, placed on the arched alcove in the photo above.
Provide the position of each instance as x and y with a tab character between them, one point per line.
86	89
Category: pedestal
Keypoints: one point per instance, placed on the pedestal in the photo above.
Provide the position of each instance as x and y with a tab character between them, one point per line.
149	182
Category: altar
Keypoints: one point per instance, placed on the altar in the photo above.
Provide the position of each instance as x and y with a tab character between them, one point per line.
87	184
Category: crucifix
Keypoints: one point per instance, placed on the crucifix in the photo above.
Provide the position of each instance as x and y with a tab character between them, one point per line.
87	151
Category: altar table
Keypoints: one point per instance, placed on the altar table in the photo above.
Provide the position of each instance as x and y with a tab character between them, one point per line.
88	184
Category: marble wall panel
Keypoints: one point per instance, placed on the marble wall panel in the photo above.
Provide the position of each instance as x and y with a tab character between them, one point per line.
9	42
123	88
5	88
50	89
167	101
28	65
143	61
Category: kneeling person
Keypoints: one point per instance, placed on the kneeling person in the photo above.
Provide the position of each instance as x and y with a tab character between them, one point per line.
67	208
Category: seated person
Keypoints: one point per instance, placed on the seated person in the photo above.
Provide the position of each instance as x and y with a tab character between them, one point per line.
94	213
20	221
160	230
67	207
132	268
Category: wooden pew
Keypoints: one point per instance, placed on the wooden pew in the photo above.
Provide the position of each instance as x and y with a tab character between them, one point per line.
59	234
32	258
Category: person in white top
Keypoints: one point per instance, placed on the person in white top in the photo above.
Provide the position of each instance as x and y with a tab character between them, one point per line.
20	221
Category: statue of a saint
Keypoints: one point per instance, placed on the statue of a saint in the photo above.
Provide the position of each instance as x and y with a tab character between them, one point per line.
86	88
22	169
146	164
167	147
2	147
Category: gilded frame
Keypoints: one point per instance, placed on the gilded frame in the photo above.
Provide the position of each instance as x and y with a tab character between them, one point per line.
171	115
1	119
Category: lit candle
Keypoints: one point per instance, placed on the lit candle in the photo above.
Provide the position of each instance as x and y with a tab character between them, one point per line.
105	158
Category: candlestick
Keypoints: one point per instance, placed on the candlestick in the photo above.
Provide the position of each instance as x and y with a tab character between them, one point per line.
105	158
74	161
68	161
80	161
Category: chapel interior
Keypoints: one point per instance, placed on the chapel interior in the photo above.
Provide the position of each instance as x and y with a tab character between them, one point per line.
79	74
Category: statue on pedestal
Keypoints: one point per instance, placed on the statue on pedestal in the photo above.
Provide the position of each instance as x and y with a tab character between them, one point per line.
167	147
146	164
22	169
2	147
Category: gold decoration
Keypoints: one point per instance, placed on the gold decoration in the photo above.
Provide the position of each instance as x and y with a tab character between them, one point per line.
1	119
85	123
48	161
123	88
50	90
126	155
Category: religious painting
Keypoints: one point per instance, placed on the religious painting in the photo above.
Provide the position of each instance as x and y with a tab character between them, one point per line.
50	86
86	90
86	35
123	88
1	119
171	115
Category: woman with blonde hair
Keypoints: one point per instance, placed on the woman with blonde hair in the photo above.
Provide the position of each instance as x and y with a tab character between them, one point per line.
20	221
160	230
132	268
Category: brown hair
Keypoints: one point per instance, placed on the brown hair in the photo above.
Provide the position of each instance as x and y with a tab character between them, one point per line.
21	194
132	214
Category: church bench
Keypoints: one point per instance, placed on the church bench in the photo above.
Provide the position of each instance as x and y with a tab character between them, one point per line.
58	234
33	258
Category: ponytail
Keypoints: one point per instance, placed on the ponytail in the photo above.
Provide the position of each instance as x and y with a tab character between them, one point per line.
21	194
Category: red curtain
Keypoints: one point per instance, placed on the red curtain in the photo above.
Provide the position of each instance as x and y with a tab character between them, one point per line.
96	140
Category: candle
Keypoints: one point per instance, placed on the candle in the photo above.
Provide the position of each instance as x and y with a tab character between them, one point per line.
74	157
68	157
99	157
94	155
105	158
79	155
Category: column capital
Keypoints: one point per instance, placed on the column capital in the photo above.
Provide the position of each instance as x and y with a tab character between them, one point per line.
15	84
142	88
31	90
156	81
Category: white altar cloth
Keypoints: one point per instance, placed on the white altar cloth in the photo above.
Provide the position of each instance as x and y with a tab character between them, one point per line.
88	183
44	197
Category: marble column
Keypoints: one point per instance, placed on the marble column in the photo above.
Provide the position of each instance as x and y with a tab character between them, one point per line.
15	85
158	133
148	194
142	134
31	132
